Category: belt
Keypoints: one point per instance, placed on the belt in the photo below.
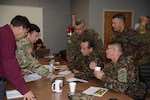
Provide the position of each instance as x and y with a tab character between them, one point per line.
2	79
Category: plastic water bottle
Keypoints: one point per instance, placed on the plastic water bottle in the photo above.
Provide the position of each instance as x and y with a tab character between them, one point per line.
51	67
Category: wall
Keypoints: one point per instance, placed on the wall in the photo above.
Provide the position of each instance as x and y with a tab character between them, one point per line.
81	9
98	6
57	15
95	8
56	18
9	11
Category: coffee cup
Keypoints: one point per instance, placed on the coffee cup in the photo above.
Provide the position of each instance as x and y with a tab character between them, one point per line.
72	86
57	86
97	68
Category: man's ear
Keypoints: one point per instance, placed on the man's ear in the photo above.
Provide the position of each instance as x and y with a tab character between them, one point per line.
91	49
84	27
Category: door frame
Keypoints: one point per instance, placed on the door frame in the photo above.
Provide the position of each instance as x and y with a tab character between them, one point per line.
103	18
103	25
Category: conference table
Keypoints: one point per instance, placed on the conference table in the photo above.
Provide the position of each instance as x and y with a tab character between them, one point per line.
42	89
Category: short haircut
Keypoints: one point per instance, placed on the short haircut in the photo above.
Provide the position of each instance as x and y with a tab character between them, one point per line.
80	21
34	27
148	17
120	16
118	44
90	43
20	21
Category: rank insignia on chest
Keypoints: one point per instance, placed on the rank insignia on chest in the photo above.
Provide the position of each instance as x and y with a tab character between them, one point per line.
122	75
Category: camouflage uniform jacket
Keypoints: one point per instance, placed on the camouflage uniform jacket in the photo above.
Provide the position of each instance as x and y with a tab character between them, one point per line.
82	65
145	59
132	46
141	29
122	77
27	60
73	50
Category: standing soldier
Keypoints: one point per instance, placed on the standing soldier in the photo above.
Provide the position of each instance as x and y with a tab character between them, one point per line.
129	37
25	53
81	33
142	26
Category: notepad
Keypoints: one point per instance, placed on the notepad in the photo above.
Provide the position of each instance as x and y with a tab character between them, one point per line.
11	94
76	80
96	91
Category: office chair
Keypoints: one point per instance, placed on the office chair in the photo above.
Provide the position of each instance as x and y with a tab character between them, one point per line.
144	75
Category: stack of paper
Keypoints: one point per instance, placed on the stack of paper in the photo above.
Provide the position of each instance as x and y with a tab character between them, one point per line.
71	79
64	72
11	94
31	77
96	91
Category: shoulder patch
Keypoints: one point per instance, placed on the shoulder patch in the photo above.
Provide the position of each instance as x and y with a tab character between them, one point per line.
122	75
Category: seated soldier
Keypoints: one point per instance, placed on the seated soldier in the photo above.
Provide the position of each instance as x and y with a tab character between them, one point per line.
80	67
120	74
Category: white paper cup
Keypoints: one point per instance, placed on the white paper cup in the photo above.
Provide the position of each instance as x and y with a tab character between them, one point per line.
72	86
97	68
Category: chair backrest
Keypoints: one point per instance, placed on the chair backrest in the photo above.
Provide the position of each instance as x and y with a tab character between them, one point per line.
145	72
41	53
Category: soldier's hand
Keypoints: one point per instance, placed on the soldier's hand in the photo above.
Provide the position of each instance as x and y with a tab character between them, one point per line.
92	65
98	74
71	75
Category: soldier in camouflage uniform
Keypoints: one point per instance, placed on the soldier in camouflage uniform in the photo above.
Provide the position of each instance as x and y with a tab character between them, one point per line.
120	74
142	26
144	37
80	66
73	50
25	54
129	37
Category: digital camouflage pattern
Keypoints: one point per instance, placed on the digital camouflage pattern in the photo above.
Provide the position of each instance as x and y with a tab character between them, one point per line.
80	96
82	65
144	38
73	50
60	78
141	29
123	77
26	59
132	45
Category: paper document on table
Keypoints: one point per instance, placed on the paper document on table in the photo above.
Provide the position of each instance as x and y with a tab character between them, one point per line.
76	80
32	77
11	94
46	66
96	91
64	72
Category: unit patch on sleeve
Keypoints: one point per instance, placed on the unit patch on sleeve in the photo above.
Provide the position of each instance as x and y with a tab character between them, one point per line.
122	75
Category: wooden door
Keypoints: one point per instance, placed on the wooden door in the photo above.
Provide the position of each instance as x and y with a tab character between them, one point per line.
108	30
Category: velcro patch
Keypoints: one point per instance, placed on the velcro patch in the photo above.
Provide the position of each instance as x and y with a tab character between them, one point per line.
122	75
